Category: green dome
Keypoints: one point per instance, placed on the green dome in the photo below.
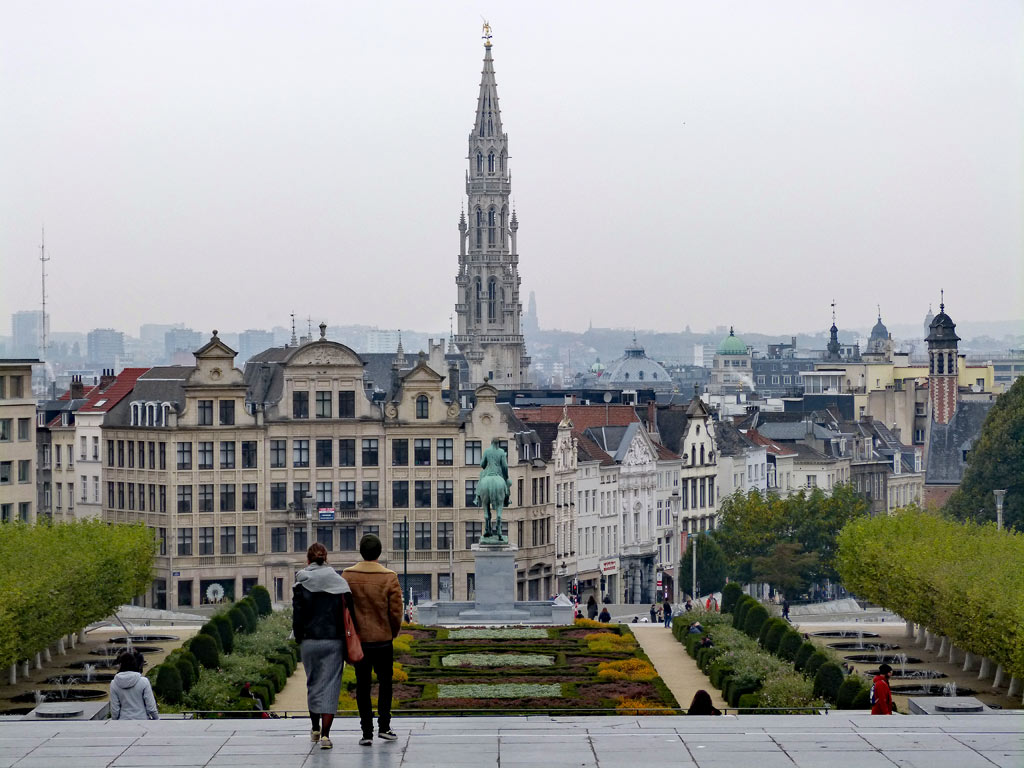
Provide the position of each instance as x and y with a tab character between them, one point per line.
732	345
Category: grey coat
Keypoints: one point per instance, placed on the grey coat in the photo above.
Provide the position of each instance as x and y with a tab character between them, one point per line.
131	698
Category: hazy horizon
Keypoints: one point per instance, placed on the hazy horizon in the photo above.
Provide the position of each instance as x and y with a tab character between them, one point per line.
673	164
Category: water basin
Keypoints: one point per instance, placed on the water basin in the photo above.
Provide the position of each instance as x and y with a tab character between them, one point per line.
844	633
123	639
79	678
883	658
116	650
73	694
857	645
934	689
910	674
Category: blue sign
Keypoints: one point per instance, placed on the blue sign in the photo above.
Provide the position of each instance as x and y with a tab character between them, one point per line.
326	514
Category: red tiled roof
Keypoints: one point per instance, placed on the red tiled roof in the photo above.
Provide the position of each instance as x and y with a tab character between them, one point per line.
592	449
582	416
121	387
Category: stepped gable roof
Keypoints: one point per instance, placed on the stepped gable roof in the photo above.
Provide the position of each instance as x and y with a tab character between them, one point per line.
731	442
947	443
769	445
121	387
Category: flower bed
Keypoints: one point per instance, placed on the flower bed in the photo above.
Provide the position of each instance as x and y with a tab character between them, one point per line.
524	669
499	691
497	660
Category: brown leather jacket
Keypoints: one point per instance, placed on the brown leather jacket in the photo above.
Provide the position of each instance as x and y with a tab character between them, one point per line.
377	599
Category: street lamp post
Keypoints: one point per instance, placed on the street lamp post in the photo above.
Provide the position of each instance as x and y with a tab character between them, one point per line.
1000	495
307	502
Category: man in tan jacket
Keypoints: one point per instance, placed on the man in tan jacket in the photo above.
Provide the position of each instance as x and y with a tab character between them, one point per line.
377	598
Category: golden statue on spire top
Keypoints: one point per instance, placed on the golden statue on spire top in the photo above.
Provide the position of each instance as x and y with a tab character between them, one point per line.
487	34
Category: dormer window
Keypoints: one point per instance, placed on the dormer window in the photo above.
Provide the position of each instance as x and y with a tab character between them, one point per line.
135	414
422	407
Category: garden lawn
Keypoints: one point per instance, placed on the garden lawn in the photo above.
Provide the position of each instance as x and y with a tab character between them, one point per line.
522	669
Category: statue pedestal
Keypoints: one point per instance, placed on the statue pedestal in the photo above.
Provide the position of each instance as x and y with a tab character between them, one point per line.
494	603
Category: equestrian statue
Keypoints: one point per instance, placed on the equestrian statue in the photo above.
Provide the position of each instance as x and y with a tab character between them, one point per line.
492	491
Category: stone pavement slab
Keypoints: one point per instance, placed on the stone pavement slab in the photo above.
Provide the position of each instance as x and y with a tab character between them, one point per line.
836	740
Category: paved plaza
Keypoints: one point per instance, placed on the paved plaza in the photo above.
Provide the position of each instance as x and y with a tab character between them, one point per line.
828	741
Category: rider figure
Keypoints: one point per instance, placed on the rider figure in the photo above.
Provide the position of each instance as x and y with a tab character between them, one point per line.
493	464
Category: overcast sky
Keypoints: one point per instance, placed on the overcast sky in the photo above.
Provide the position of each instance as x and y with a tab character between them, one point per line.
681	163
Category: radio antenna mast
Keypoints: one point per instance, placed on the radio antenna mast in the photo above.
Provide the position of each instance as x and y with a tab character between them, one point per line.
43	258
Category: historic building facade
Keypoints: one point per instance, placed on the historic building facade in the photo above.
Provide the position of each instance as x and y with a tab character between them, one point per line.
17	442
238	474
487	304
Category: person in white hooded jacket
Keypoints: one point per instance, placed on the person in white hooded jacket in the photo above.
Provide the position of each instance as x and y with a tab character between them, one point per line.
131	695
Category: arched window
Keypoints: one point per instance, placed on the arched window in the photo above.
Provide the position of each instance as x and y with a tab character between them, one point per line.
702	454
479	297
422	407
693	454
503	162
479	162
490	162
942	363
641	376
136	417
492	296
479	227
490	227
625	376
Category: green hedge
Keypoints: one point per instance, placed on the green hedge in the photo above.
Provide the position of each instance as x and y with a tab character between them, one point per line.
89	568
789	645
261	597
827	681
961	580
803	655
755	618
731	592
849	691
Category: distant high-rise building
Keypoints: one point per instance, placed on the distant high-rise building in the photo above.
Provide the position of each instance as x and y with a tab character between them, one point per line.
489	313
379	342
104	346
27	333
181	340
252	342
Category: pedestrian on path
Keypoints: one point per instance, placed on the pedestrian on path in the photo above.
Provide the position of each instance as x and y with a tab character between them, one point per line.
881	694
666	611
318	598
654	613
785	609
378	601
605	617
591	608
131	695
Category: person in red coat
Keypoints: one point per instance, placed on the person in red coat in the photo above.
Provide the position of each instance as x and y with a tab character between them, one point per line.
881	695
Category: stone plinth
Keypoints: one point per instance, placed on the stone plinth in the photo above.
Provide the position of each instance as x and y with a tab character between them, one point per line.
495	579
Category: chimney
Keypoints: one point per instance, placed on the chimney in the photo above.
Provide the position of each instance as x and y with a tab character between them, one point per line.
77	388
396	381
652	417
107	378
453	381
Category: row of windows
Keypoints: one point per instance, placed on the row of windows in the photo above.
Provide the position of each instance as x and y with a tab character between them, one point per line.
204	455
133	496
324	402
128	453
14	385
228	540
369	453
343	494
24	472
7	510
6	431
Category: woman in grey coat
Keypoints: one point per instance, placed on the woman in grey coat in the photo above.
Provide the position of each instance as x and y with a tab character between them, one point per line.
317	622
131	695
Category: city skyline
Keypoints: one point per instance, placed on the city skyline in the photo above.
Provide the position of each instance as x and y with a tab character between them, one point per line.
887	139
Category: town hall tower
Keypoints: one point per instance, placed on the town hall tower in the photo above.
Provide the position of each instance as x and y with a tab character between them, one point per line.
488	308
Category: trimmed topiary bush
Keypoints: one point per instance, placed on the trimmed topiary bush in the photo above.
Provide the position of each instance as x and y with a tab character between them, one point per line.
730	594
211	629
756	616
748	702
205	650
827	680
848	691
862	700
248	615
227	634
762	636
168	684
740	615
775	634
789	645
185	671
814	664
261	597
237	620
803	654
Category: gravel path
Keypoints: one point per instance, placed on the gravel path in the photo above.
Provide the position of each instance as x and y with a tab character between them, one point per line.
680	673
